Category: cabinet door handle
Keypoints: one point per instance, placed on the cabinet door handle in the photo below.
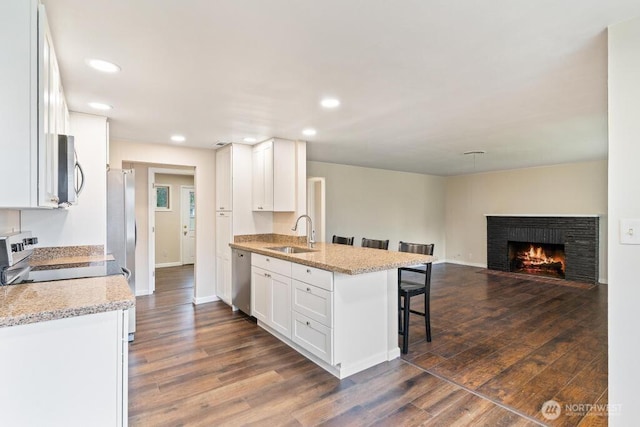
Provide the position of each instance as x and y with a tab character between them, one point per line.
308	324
267	259
308	289
308	271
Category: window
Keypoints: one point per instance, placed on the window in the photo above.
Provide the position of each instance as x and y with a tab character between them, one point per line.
163	197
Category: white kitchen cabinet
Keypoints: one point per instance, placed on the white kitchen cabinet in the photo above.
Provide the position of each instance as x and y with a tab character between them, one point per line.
344	323
313	302
260	282
313	336
224	235
64	372
274	173
271	294
223	179
32	107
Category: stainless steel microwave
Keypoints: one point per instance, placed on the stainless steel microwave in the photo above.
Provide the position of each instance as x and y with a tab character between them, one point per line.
70	173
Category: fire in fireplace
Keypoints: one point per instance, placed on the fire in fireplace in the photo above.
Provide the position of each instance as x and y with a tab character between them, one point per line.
537	258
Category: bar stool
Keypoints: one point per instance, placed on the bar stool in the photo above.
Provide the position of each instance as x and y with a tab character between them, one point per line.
342	240
376	244
409	288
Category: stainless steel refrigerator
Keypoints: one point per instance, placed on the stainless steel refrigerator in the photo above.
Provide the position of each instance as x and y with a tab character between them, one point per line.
121	227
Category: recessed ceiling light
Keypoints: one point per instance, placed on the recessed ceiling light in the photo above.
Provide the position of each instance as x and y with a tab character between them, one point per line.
249	139
178	138
330	102
309	132
100	106
102	65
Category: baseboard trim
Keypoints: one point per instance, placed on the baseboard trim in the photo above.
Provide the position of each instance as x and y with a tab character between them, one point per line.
469	264
169	264
202	300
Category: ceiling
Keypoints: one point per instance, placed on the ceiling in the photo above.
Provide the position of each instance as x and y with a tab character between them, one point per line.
420	81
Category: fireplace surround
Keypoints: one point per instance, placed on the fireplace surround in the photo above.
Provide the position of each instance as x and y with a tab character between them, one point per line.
577	234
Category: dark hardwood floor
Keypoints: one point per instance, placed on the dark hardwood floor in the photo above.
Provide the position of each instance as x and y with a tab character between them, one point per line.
502	346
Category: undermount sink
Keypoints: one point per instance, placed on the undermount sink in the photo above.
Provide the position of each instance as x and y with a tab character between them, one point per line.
291	249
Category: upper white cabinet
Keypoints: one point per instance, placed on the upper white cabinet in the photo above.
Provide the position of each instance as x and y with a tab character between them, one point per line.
274	173
223	179
32	107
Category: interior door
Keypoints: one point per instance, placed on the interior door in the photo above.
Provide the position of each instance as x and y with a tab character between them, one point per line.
188	221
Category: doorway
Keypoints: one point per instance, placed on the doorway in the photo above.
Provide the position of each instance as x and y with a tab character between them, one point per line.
316	206
167	220
188	221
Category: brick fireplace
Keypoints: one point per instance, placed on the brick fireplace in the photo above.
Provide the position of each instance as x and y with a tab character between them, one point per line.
557	246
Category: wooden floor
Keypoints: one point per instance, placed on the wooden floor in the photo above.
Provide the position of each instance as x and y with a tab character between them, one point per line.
501	347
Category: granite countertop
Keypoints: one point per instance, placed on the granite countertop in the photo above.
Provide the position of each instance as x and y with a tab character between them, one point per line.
70	261
338	258
39	302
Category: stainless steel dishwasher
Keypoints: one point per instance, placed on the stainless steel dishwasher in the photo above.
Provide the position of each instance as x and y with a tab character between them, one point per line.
241	280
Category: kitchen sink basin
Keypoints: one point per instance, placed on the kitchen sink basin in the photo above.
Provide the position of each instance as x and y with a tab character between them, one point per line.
291	249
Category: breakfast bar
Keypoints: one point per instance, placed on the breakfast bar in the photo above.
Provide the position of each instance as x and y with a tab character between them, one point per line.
335	304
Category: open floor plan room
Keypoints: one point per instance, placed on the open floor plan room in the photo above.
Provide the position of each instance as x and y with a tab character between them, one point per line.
502	346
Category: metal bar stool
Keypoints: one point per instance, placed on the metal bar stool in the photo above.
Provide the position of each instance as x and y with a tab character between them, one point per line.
342	240
376	244
408	288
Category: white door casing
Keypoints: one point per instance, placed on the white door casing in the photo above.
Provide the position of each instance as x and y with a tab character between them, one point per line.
316	206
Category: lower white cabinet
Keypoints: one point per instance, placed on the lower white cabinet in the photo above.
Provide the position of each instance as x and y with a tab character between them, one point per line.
313	336
224	236
271	299
260	284
65	372
313	302
344	323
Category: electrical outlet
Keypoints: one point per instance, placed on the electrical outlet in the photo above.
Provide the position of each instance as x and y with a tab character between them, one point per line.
630	231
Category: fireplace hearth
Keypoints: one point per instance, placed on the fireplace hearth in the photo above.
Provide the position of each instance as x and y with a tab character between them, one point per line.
564	247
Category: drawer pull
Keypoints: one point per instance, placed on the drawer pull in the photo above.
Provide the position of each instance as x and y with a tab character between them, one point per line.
308	324
308	271
308	289
267	259
267	275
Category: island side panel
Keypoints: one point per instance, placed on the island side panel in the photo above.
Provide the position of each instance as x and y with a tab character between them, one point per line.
362	316
392	312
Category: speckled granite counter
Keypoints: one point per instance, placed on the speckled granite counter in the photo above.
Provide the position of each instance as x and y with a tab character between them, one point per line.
70	261
38	302
338	258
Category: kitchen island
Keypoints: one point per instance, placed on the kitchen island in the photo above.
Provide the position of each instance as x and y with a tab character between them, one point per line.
335	304
64	351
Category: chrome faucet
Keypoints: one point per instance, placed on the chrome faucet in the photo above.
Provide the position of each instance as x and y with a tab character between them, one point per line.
310	239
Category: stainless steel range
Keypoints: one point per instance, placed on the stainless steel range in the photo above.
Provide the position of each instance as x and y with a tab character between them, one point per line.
15	250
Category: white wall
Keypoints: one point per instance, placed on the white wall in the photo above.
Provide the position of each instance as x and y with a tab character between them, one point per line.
624	202
576	188
382	204
9	221
204	181
86	222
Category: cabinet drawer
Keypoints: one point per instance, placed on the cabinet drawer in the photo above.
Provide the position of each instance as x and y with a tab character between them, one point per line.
313	302
314	276
271	264
313	337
